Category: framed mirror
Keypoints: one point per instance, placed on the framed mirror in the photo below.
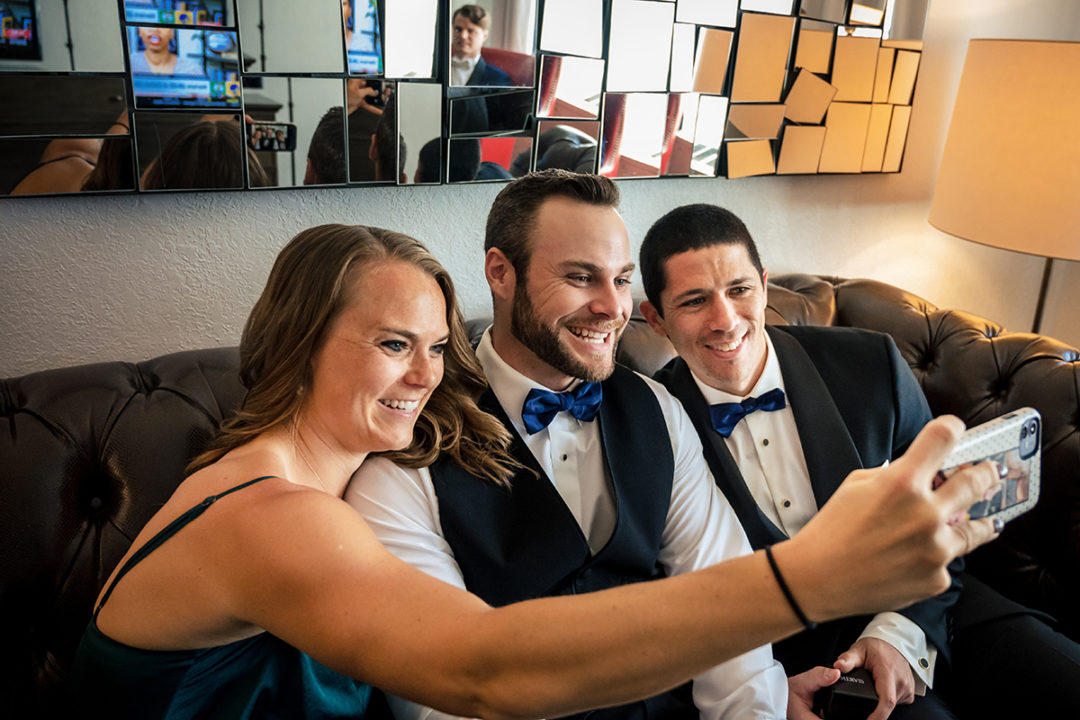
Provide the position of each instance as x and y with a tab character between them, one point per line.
492	44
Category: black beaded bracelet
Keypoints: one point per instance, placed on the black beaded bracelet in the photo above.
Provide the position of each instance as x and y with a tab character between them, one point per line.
787	591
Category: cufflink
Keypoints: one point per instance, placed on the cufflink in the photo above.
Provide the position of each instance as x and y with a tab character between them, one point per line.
924	663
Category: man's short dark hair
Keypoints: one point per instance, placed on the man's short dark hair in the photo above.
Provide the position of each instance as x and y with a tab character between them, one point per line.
512	217
474	14
690	227
327	149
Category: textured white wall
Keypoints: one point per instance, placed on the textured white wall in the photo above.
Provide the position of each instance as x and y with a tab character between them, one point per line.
93	278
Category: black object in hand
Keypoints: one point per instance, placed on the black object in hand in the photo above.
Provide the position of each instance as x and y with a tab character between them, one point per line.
852	697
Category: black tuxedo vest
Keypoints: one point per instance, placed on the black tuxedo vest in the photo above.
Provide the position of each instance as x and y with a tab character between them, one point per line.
520	542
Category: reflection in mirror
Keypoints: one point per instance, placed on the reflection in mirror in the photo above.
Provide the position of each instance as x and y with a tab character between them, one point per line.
633	140
485	159
800	151
291	37
903	77
574	27
833	11
35	166
634	65
808	98
845	137
492	46
60	104
722	13
776	7
180	67
410	38
363	39
749	157
61	36
167	12
898	128
569	87
374	148
564	144
883	74
762	57
815	46
419	127
876	136
754	122
679	144
905	24
711	63
503	112
185	151
854	66
867	12
708	135
682	58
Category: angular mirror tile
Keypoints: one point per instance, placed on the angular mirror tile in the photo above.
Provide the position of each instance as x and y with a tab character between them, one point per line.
679	147
634	66
419	111
410	38
867	12
708	135
749	157
291	37
905	24
565	144
371	106
35	166
883	74
39	41
633	134
877	135
186	151
903	77
682	58
574	27
182	67
808	98
718	13
488	112
898	128
800	150
569	87
492	45
363	36
711	61
834	11
761	58
854	65
61	104
777	7
754	122
814	48
486	159
845	137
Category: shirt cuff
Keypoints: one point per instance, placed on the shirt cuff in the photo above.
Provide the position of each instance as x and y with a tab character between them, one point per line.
910	640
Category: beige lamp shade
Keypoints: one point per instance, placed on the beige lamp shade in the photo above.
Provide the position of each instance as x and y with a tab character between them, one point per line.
1010	175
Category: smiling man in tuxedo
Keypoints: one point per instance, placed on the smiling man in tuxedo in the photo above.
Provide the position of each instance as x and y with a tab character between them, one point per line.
784	414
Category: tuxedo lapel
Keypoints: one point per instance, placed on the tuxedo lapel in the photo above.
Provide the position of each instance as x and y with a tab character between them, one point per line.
827	445
759	529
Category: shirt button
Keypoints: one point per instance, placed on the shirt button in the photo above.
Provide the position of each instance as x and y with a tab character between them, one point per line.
765	442
924	663
787	503
563	457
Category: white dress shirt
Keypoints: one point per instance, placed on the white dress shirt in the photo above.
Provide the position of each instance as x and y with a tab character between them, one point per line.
461	69
767	449
701	529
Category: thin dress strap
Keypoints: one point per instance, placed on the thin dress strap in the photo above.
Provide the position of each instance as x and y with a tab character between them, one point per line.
167	532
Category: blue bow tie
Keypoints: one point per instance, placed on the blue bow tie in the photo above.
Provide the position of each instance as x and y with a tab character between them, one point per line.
725	416
541	406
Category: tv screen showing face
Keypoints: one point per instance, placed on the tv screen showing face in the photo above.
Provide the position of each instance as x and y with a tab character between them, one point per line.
19	31
173	67
178	12
364	42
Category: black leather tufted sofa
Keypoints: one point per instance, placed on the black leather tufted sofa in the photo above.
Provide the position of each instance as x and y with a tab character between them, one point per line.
90	452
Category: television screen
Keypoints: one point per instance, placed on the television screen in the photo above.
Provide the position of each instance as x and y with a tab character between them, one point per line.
364	39
173	67
178	12
19	31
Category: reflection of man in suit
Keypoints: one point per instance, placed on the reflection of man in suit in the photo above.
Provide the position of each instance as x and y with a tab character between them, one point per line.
470	26
613	489
848	401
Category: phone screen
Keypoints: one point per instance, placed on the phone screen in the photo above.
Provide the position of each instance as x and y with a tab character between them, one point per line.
272	136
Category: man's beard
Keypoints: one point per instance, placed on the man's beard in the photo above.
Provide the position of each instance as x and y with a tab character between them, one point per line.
544	342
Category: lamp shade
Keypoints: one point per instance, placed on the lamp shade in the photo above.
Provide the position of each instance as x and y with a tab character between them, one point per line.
1010	175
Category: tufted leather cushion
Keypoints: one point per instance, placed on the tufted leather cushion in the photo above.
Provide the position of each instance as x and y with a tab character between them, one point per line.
90	452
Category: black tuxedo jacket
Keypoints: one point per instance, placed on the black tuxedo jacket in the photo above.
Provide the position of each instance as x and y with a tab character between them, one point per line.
856	405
